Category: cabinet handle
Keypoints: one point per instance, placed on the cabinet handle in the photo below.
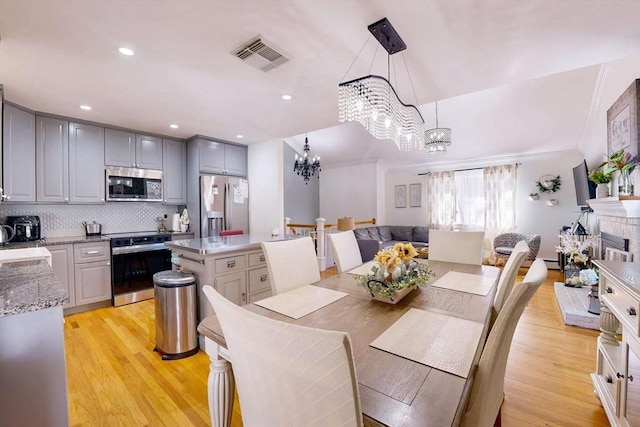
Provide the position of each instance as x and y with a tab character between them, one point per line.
231	264
608	379
609	290
244	297
66	199
619	375
263	278
631	311
262	258
630	377
92	252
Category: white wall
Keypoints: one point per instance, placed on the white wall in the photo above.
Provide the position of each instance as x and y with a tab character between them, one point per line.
408	215
266	200
301	198
351	190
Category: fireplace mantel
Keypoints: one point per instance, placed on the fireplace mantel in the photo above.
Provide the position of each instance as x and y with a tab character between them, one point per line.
613	206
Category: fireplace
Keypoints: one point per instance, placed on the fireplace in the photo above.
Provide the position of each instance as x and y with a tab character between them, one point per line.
608	240
618	224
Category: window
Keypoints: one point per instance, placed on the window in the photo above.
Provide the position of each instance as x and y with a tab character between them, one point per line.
469	200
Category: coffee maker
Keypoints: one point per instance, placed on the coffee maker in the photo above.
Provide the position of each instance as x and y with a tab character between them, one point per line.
26	227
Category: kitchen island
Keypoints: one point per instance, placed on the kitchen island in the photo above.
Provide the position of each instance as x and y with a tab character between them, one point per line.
234	265
33	382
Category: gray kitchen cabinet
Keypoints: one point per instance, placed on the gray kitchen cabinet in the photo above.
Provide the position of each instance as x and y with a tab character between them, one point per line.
175	172
119	148
86	163
233	287
52	160
127	149
148	152
92	272
222	158
93	282
18	154
62	264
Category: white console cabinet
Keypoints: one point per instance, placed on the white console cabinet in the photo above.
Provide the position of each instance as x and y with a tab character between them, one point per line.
617	376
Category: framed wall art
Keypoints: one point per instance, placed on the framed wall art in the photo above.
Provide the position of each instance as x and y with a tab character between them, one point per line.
623	125
415	195
400	196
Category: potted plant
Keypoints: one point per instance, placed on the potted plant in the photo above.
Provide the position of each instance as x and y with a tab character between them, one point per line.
603	179
624	162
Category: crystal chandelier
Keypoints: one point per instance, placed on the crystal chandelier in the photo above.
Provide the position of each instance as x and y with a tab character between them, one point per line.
373	102
437	139
305	167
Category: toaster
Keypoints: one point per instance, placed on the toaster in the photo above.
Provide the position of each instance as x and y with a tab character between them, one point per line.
26	227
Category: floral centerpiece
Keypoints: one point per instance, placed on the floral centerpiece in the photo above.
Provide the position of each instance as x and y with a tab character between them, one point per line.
395	273
576	247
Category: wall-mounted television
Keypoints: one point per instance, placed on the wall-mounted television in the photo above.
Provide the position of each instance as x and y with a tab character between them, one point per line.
585	189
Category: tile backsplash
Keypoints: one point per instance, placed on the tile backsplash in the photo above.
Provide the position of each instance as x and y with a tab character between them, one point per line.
66	220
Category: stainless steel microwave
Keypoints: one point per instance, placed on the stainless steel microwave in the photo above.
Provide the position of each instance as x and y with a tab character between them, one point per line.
133	185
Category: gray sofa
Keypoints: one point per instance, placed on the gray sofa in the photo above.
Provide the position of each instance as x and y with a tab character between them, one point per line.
372	239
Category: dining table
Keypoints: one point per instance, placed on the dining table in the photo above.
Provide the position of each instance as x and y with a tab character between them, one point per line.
394	390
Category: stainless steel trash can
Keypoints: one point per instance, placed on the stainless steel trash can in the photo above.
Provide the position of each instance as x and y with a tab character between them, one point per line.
175	303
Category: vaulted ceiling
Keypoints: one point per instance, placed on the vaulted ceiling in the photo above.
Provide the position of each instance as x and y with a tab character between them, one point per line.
511	76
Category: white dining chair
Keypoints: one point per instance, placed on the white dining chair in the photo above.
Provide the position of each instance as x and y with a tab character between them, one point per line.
288	375
291	263
487	390
508	276
464	247
345	250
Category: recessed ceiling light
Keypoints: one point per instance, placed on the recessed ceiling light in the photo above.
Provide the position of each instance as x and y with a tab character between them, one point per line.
85	107
239	136
286	97
126	51
172	126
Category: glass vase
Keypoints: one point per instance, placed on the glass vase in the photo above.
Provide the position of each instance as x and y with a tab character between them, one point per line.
572	275
625	188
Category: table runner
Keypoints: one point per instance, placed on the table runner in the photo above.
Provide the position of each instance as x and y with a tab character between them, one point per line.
425	337
465	282
299	302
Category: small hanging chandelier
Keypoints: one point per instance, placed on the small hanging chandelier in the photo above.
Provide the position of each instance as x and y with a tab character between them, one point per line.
373	102
302	166
437	139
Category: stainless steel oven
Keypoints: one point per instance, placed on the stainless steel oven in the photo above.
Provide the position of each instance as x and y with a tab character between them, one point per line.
135	258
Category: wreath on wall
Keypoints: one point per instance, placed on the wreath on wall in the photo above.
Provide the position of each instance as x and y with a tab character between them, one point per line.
549	183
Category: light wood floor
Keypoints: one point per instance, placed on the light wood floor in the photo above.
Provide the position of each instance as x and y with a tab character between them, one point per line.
115	378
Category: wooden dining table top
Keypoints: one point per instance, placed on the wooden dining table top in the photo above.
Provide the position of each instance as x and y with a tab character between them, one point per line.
395	391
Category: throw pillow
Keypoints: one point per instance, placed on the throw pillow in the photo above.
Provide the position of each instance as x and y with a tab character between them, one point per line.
403	233
421	234
361	233
385	233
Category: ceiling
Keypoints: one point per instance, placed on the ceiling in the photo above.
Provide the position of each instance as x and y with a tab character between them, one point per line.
495	67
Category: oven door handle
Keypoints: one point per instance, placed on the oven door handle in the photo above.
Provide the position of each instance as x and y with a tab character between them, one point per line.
122	250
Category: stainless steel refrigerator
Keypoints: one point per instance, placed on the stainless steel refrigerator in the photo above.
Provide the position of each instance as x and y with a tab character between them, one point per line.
224	204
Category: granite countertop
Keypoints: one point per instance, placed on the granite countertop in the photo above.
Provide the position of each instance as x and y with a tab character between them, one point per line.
220	245
29	286
52	241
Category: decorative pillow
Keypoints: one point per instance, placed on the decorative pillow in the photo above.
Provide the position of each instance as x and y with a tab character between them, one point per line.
373	233
385	233
421	234
402	233
361	233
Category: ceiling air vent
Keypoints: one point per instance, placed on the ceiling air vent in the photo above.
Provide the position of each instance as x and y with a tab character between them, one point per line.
261	54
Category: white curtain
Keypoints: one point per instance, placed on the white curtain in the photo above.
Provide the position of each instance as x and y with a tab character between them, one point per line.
500	204
441	194
470	199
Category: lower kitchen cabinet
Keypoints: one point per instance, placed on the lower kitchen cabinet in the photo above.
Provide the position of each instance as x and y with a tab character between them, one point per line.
62	264
84	269
241	276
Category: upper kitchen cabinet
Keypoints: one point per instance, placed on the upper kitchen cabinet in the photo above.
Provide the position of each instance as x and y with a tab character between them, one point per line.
222	158
129	150
52	160
19	153
86	163
148	152
175	172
